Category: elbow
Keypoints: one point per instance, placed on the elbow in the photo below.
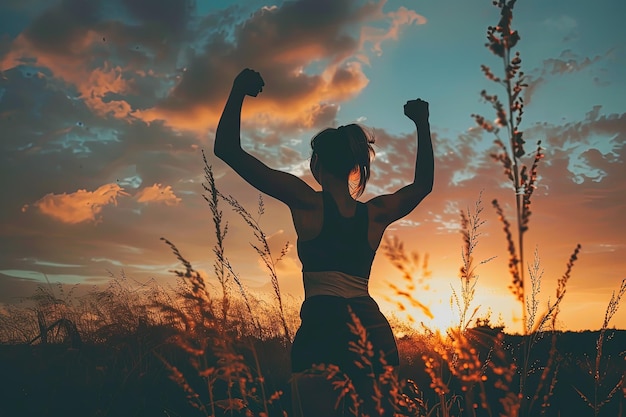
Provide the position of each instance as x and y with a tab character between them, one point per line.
426	189
429	183
429	187
423	187
218	146
226	146
231	156
220	151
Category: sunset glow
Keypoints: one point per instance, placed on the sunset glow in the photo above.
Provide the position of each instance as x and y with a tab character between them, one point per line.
105	113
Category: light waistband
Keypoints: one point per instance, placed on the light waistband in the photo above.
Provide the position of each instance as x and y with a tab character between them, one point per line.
334	283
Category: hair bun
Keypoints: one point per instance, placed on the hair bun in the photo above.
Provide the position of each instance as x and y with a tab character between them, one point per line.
345	151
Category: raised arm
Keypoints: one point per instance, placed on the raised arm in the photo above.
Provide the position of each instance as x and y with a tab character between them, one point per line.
388	208
278	184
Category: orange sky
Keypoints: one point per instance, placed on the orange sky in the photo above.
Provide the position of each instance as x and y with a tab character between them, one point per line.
105	112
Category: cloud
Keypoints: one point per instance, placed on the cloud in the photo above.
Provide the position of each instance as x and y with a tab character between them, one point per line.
13	289
458	159
157	193
567	63
72	61
99	59
309	53
80	206
85	206
166	17
399	18
588	146
124	92
170	66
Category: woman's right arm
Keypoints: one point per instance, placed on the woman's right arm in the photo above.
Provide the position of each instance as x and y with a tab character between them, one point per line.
278	184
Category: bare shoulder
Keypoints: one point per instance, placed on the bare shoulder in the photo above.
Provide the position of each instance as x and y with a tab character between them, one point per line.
376	209
308	218
378	221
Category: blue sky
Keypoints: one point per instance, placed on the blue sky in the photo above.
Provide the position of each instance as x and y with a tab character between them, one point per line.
105	108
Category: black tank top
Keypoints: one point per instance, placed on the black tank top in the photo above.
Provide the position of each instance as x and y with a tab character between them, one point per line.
342	245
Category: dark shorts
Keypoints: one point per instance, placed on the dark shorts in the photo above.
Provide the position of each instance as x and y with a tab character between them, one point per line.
324	336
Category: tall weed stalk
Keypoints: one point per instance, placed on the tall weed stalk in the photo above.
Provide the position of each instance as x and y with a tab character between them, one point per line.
460	360
470	230
262	248
228	385
598	369
510	153
222	267
220	228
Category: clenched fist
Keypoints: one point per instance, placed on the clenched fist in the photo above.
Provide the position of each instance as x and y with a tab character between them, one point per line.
248	82
417	110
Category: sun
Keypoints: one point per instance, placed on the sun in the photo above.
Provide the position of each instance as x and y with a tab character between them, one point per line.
444	317
436	316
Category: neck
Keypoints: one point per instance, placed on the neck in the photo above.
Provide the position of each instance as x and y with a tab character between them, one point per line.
338	188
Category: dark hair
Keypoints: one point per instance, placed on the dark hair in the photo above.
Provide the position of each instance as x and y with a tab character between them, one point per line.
344	151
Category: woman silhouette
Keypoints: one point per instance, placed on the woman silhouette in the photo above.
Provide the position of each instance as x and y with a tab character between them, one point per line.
337	240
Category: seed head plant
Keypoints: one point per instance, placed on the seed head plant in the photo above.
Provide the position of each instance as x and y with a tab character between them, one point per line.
415	276
470	225
231	382
607	384
220	263
510	153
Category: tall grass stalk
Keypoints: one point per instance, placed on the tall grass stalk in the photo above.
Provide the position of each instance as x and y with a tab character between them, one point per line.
510	152
222	267
214	352
598	370
502	39
408	265
262	248
452	359
470	225
221	272
549	370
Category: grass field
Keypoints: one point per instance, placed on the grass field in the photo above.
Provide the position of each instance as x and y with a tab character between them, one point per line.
134	350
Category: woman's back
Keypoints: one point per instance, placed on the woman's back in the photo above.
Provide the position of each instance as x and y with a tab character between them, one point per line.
342	243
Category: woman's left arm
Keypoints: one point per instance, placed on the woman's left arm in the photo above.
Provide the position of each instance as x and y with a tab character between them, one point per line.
388	208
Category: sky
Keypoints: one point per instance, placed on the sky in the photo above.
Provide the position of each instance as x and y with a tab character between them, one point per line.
107	106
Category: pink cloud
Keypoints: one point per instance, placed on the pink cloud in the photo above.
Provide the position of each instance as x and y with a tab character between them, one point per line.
284	44
310	52
75	66
157	193
81	206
